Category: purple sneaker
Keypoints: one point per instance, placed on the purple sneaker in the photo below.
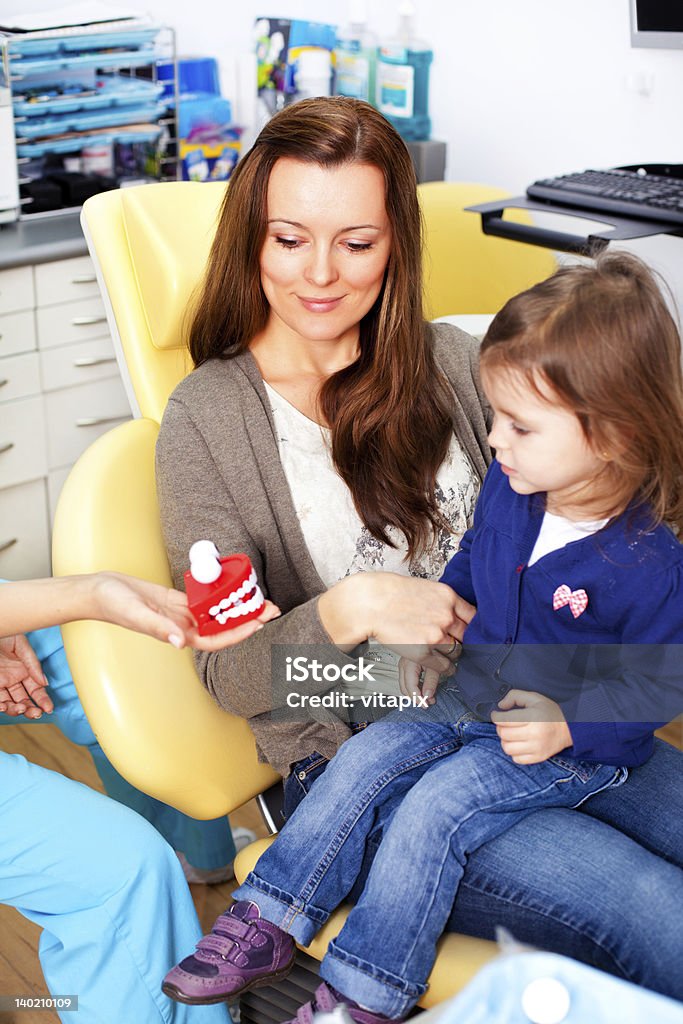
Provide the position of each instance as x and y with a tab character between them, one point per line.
241	952
326	999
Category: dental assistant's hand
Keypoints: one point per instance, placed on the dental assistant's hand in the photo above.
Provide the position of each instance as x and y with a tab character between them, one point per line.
163	613
136	604
22	683
531	727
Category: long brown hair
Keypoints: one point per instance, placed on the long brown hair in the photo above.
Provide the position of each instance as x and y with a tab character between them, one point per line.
602	337
389	411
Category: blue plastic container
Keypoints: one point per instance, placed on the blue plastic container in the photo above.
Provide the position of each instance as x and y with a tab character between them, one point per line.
403	90
195	75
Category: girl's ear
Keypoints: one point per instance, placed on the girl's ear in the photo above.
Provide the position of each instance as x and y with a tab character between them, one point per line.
612	442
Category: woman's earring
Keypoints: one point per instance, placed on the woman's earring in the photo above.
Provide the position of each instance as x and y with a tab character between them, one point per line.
606	456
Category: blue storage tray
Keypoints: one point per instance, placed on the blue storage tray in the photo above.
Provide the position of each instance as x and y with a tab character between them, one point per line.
113	91
73	62
131	38
73	145
39	127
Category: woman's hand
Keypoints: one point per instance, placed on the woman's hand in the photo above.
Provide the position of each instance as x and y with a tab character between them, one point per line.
531	727
22	683
162	613
412	616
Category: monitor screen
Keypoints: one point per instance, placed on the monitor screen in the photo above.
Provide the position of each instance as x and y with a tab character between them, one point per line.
657	23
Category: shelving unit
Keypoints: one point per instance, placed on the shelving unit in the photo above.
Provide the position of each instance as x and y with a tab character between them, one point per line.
88	111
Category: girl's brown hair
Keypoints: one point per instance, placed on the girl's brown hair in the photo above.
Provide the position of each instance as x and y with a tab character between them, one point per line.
389	411
602	337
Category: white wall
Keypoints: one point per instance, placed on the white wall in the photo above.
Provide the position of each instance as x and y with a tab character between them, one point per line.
520	89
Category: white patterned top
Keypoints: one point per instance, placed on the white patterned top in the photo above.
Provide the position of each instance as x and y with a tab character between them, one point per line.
338	541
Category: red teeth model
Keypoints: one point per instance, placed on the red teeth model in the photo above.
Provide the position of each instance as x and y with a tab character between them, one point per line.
222	592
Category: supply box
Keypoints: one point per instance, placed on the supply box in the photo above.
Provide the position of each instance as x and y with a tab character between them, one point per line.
279	45
208	141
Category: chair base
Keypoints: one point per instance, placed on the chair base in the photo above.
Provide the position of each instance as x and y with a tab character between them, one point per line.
270	804
273	1004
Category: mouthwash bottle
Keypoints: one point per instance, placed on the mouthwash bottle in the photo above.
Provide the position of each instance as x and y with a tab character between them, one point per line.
403	79
356	56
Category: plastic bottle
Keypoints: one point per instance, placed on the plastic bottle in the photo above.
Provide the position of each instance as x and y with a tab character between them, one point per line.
403	78
356	56
313	73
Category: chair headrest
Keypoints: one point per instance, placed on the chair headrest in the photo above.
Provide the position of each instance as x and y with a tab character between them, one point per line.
170	228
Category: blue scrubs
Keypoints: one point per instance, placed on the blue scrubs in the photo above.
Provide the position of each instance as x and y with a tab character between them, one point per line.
103	885
206	844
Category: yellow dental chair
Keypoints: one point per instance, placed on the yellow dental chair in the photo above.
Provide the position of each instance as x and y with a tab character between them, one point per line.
465	271
152	717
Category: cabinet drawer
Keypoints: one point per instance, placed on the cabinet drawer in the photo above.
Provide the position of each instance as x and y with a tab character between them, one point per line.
64	280
17	333
77	364
72	321
24	533
78	415
56	479
19	377
22	441
16	289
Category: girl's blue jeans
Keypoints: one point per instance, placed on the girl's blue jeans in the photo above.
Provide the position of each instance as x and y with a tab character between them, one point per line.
442	786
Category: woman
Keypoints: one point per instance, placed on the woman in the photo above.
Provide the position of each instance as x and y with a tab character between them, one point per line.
340	441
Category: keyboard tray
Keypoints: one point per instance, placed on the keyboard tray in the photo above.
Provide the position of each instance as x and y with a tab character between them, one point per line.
616	228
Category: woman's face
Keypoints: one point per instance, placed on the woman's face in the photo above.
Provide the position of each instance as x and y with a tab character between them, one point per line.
326	249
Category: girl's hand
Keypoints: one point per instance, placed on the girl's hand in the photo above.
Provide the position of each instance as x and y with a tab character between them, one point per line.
22	683
535	731
162	613
421	677
417	682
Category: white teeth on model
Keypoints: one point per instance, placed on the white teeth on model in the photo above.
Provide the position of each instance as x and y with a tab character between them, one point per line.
248	606
230	609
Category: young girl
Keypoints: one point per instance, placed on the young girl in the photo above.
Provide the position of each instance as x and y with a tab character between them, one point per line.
569	663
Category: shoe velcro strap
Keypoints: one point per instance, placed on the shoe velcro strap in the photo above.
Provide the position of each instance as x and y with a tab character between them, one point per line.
304	1015
217	944
233	926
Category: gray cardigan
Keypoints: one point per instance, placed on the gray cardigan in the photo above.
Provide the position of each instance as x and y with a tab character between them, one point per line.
219	477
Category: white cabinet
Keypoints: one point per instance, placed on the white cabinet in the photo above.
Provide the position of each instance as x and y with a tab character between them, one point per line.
17	332
59	390
24	532
16	289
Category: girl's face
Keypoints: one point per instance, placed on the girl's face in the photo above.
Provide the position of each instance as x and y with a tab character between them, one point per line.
540	445
326	249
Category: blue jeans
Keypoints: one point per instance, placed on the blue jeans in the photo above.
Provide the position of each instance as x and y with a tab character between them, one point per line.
449	788
603	886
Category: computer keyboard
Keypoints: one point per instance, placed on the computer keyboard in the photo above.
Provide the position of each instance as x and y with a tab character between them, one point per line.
630	193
